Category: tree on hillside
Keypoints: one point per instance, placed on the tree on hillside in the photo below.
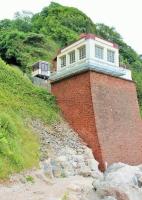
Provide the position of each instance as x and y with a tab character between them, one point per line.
22	21
6	24
63	24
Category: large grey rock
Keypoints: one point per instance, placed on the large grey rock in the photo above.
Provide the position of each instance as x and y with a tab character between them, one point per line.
113	191
121	181
47	168
120	173
56	168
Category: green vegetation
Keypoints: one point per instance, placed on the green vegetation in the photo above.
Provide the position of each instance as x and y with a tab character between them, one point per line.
19	100
65	196
63	24
23	49
30	179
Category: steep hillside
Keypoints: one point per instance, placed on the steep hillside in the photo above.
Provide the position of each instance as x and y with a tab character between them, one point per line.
20	102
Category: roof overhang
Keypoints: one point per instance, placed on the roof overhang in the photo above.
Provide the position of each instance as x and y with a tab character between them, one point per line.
88	66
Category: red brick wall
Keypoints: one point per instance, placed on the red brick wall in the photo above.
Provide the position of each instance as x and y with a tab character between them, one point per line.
104	111
118	121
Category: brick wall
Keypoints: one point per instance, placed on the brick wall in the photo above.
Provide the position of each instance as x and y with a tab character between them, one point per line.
118	120
104	111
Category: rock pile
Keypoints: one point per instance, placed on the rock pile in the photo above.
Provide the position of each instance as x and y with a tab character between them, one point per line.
63	153
120	182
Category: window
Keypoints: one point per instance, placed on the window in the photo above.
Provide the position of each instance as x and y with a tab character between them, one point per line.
110	56
72	57
44	67
82	52
99	52
63	61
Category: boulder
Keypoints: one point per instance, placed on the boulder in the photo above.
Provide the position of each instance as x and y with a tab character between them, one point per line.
121	181
56	168
114	192
120	173
47	168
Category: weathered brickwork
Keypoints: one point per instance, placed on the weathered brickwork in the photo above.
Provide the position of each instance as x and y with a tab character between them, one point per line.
105	113
117	117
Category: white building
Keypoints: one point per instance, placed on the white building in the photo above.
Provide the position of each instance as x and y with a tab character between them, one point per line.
41	69
90	52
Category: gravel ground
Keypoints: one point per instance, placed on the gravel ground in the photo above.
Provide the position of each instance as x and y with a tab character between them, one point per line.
58	139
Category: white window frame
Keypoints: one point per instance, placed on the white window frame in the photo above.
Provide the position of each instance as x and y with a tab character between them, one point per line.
82	52
63	60
44	67
72	57
110	56
99	52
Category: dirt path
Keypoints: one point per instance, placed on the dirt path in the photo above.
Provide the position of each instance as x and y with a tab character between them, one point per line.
45	189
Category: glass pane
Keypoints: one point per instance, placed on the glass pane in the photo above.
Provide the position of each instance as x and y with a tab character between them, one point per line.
110	56
63	61
82	52
72	57
99	51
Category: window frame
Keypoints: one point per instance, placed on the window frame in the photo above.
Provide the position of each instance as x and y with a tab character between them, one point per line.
82	52
102	54
44	67
63	60
72	57
110	58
